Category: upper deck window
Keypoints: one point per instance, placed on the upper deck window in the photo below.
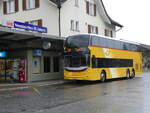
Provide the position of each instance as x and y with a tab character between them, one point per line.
78	41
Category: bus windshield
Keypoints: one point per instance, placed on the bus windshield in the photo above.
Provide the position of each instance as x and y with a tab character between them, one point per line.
77	60
78	41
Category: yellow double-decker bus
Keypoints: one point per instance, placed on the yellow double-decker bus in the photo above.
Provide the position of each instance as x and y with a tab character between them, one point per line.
92	57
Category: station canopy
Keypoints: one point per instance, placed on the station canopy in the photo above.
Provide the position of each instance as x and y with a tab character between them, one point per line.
10	36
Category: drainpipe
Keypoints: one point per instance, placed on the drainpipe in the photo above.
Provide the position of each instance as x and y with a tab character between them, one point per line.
59	18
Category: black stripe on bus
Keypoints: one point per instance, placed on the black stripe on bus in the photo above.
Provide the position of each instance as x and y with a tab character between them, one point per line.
111	63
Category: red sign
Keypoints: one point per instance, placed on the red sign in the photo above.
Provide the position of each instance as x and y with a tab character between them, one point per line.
22	71
7	23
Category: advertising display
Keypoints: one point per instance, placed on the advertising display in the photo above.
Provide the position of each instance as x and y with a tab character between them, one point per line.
13	70
22	70
7	23
2	69
36	65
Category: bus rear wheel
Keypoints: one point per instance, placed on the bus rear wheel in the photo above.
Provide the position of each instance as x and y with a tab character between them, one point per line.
103	76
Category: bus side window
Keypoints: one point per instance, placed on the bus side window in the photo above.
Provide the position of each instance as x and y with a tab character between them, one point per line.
117	45
125	46
94	41
121	45
103	42
109	43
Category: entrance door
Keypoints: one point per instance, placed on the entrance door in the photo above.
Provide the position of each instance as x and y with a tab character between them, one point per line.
3	77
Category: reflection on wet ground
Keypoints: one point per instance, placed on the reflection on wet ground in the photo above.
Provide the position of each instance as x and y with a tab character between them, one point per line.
114	96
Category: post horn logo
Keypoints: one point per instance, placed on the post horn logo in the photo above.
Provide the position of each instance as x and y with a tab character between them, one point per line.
106	52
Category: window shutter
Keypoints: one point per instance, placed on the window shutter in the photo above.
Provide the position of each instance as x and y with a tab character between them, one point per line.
24	5
16	6
87	7
105	32
40	22
96	30
111	33
4	7
89	28
37	3
94	9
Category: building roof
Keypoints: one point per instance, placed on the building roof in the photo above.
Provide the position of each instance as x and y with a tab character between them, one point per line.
111	20
107	18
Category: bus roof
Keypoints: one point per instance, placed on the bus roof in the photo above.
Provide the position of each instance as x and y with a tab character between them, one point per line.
122	40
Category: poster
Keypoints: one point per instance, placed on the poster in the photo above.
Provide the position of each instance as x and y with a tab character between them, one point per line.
36	65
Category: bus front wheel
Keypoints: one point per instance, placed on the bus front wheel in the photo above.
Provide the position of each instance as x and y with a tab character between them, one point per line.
103	76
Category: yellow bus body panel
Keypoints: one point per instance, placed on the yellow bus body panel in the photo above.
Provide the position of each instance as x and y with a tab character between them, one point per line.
93	74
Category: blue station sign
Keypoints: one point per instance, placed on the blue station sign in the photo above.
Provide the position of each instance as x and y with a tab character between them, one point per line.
30	27
2	54
37	52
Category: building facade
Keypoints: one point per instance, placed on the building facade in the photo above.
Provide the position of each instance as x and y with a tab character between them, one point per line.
61	18
76	16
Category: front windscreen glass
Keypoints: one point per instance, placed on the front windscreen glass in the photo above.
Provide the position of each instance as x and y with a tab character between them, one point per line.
77	41
76	61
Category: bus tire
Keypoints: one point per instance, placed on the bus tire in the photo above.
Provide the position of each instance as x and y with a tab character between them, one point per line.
103	76
128	74
132	74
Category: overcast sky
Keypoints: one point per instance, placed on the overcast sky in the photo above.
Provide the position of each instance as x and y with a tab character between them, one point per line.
134	15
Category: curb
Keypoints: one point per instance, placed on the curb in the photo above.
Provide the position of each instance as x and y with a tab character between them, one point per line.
30	85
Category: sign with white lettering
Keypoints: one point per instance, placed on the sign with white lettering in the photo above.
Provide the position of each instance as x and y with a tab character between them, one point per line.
30	27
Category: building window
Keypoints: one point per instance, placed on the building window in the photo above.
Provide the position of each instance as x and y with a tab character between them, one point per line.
77	3
92	29
74	25
10	6
108	33
35	22
47	64
77	26
111	33
91	8
30	4
56	64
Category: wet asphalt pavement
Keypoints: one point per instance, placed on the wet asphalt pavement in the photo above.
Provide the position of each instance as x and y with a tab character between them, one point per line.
114	96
